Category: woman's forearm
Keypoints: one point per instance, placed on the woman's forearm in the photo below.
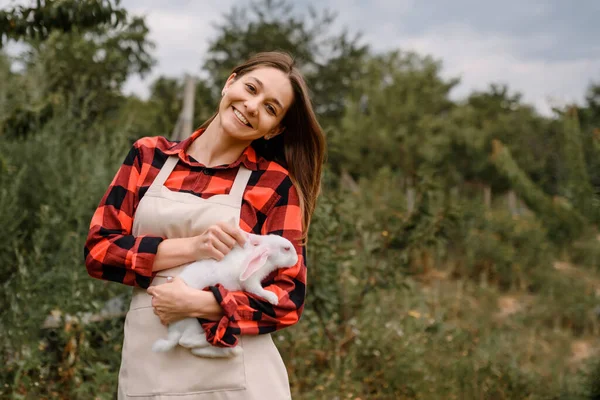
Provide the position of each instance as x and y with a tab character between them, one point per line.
174	252
204	305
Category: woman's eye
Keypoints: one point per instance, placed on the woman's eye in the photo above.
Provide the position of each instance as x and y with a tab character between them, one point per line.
271	109
251	88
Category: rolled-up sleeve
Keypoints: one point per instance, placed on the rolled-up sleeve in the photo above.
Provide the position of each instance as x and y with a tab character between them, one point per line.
248	314
111	252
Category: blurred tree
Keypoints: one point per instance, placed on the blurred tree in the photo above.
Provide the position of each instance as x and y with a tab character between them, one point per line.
82	70
589	115
497	114
564	223
575	182
389	120
45	16
330	61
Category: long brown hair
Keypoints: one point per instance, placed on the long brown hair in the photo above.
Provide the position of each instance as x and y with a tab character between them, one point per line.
301	146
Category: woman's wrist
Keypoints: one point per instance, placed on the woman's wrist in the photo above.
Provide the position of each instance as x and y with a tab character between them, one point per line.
202	304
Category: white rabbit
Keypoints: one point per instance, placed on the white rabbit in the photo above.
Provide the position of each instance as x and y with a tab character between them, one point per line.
241	269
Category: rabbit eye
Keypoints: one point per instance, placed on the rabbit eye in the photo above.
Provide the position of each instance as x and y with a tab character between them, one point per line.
287	248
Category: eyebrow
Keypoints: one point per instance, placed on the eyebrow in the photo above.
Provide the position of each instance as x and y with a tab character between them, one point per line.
259	82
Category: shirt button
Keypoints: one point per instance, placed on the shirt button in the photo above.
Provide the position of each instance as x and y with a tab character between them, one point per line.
207	171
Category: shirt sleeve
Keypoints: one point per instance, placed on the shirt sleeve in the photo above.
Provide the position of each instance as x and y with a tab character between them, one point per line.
111	252
248	314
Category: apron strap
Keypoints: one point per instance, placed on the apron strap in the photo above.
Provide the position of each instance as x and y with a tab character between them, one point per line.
164	172
240	182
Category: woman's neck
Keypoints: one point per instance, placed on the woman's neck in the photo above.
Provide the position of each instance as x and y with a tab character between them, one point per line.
214	148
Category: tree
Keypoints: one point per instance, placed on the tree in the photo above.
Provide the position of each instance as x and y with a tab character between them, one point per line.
46	16
82	68
331	62
589	115
575	183
393	119
564	223
497	114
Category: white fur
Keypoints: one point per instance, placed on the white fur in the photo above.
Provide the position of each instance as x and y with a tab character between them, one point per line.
241	269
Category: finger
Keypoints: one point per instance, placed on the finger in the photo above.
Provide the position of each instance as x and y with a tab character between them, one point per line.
179	281
236	233
225	237
217	248
240	236
218	255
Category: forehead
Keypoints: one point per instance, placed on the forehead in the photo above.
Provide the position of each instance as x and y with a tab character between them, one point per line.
275	84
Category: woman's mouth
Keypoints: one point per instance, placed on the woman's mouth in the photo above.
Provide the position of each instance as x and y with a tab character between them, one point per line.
241	117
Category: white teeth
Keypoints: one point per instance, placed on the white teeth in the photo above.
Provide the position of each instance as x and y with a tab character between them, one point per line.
240	117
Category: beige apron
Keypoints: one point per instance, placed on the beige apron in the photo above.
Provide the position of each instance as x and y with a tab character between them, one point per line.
257	373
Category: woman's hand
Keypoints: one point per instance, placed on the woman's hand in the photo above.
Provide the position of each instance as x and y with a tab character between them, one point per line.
171	301
217	241
175	300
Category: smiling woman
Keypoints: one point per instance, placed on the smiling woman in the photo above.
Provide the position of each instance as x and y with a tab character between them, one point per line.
251	109
255	166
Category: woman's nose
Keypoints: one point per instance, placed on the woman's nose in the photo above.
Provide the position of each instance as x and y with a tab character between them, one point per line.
251	106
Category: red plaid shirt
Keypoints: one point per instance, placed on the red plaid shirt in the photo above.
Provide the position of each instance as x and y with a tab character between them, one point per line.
270	206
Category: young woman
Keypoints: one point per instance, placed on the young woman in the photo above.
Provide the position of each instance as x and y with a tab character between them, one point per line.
255	166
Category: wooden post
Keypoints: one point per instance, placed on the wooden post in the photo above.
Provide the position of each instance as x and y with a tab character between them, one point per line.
512	202
183	127
348	182
410	195
487	196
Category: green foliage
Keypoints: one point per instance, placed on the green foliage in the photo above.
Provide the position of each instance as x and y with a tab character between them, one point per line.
82	71
45	16
508	252
564	223
576	185
58	182
391	120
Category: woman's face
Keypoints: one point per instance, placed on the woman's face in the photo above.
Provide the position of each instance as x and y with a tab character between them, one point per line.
254	104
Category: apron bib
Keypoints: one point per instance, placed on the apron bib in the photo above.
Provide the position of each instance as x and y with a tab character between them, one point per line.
257	373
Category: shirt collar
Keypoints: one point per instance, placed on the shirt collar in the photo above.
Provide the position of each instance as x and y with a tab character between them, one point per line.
248	157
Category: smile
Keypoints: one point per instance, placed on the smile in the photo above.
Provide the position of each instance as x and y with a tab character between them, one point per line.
241	118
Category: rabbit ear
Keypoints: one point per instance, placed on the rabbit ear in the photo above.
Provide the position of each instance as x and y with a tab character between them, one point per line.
254	262
253	239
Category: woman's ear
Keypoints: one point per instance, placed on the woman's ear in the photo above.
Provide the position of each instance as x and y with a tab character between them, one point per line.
228	83
275	131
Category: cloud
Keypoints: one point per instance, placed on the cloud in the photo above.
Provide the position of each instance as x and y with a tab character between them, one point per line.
526	46
541	48
571	28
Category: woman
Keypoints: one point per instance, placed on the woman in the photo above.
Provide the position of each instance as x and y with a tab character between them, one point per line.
257	162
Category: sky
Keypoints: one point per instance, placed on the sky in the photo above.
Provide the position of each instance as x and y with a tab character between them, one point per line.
549	50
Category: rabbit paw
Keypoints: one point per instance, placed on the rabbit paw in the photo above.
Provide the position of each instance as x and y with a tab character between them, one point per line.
271	298
216	352
190	341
